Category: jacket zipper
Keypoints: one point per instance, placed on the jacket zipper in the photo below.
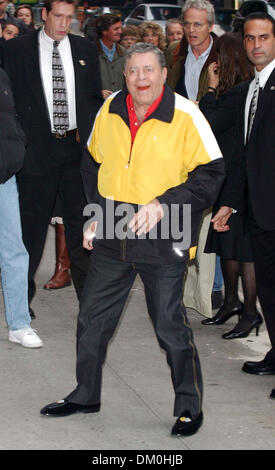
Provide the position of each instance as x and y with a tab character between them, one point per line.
130	155
124	242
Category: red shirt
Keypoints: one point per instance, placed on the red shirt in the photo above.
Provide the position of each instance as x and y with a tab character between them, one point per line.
133	121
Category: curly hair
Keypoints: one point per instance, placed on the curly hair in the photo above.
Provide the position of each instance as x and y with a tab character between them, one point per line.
150	26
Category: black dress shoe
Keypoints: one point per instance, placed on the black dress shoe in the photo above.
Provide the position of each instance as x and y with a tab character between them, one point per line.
221	316
186	425
259	368
32	314
65	408
238	332
272	395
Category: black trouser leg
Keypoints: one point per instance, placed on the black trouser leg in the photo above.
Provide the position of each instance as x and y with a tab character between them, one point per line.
73	201
164	292
105	292
37	196
263	245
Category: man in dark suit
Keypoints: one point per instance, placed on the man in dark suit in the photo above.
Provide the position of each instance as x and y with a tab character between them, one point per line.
57	127
256	174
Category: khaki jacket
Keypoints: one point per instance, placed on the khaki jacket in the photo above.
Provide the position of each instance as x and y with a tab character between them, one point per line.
111	73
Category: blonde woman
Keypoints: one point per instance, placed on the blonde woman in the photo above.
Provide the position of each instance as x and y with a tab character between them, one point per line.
151	32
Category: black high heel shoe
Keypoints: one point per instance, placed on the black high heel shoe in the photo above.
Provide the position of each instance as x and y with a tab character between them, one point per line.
234	334
221	318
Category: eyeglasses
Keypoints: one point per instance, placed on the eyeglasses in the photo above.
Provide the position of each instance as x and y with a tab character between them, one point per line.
195	25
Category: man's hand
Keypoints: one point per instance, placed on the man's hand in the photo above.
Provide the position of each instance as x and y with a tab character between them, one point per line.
88	236
221	218
147	217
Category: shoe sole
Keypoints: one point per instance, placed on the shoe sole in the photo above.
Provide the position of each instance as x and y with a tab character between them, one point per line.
257	373
56	288
185	435
63	415
25	346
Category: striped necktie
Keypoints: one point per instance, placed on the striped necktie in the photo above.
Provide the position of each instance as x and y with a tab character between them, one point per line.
60	103
253	108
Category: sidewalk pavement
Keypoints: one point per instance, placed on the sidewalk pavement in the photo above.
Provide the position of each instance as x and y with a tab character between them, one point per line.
137	396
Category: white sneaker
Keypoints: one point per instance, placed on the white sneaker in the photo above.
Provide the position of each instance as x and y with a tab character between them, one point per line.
27	337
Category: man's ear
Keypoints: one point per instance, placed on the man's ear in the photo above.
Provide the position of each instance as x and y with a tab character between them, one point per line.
164	74
44	14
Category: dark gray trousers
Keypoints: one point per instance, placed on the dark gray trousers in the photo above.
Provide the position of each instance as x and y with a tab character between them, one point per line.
106	289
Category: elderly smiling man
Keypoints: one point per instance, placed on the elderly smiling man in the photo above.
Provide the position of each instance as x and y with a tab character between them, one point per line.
155	152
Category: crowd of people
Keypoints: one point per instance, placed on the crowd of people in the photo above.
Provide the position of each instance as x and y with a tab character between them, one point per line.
149	120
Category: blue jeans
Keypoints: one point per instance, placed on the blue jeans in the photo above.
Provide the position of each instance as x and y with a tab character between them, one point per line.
218	281
14	259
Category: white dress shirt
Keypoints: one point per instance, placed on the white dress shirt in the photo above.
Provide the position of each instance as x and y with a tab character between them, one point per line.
45	57
263	77
193	68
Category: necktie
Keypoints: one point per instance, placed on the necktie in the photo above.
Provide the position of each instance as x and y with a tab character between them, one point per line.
253	108
60	103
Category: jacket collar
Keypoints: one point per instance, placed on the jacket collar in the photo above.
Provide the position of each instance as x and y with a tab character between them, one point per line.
265	101
164	111
119	49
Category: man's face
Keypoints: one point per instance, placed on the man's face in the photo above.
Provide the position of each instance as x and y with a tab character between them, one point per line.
144	78
3	4
174	32
196	28
58	20
113	33
259	42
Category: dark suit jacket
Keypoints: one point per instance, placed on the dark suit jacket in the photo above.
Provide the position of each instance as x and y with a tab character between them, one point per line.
22	64
254	177
259	156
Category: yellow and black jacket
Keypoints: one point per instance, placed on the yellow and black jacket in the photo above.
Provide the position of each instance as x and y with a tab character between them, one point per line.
174	158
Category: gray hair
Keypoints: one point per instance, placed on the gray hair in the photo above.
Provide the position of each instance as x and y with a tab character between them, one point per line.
172	21
201	5
143	48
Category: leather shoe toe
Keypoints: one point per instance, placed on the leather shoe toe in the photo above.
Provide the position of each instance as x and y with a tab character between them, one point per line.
259	368
65	408
272	395
185	425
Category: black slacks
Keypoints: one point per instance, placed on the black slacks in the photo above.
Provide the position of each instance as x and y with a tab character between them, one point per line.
263	245
106	289
37	198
